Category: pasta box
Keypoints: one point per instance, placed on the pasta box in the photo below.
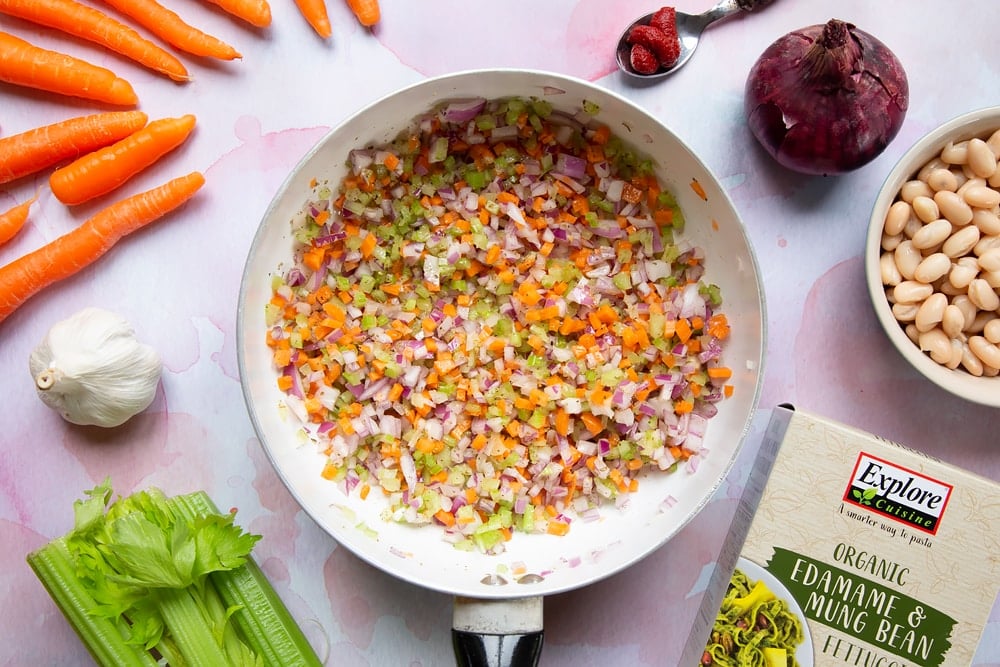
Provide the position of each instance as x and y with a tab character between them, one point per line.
849	549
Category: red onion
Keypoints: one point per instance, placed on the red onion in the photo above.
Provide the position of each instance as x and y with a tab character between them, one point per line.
826	99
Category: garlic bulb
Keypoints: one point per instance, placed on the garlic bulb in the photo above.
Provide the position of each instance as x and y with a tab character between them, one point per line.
91	369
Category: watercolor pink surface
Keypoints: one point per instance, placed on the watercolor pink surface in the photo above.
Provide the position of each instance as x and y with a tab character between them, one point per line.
178	281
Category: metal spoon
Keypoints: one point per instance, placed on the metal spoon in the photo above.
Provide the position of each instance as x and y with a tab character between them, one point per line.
689	29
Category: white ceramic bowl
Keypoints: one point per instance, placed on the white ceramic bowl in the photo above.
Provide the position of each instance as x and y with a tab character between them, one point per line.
979	123
592	550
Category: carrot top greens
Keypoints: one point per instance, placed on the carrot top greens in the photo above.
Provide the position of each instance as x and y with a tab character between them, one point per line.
492	320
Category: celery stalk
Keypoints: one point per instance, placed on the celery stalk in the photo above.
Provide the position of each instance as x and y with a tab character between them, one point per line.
263	619
136	579
54	568
189	629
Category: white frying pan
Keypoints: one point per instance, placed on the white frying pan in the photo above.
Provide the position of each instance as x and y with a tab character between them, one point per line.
498	611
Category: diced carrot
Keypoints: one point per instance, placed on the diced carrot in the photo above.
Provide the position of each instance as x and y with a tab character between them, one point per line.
368	245
447	518
592	422
720	372
313	258
698	189
683	330
559	528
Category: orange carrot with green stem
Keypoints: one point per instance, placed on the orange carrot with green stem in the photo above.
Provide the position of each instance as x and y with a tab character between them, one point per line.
102	171
36	149
314	11
72	252
13	220
367	12
85	22
255	12
172	29
25	64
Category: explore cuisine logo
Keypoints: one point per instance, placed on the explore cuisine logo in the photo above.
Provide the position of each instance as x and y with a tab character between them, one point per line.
897	493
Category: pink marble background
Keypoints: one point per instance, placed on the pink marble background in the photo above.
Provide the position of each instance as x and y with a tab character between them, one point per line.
177	283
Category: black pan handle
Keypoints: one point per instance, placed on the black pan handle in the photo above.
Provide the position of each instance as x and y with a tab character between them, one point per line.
497	633
479	650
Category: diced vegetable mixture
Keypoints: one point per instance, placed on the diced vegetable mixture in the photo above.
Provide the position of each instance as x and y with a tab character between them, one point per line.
493	321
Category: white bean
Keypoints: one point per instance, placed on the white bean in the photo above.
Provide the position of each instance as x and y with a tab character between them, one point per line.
971	362
994	143
962	273
956	354
932	234
980	293
890	242
991	331
911	332
990	260
968	183
936	343
913	225
942	179
913	189
985	244
990	372
895	219
932	267
905	312
981	196
907	259
981	159
987	221
979	322
948	289
890	272
961	242
987	352
931	312
955	153
992	278
968	309
953	207
952	320
911	291
926	208
932	164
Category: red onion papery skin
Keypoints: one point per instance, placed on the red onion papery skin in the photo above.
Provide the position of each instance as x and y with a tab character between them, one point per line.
826	99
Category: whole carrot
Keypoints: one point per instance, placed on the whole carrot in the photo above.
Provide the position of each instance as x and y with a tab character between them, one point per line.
367	11
102	171
91	24
315	13
24	64
70	253
13	220
255	12
172	29
31	151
